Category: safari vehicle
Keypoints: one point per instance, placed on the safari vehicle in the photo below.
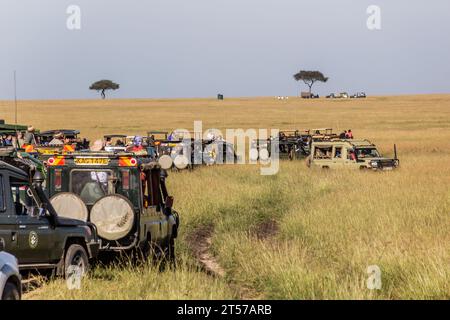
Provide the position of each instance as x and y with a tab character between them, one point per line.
358	154
11	128
43	150
308	95
321	134
341	95
218	152
10	279
126	200
116	142
47	136
172	151
31	229
358	95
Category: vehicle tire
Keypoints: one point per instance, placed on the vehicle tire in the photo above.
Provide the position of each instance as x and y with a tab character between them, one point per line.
76	256
11	291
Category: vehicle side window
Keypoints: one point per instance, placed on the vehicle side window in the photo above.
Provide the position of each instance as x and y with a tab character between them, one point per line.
2	195
24	204
322	152
338	152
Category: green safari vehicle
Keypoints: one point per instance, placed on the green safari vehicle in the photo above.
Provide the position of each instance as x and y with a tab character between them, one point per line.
123	196
31	229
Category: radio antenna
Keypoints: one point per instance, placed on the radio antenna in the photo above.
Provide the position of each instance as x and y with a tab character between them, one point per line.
15	99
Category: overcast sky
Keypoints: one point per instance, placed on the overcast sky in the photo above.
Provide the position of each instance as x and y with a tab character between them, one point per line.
198	48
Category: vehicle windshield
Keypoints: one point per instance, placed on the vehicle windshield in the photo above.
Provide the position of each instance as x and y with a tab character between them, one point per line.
362	153
91	184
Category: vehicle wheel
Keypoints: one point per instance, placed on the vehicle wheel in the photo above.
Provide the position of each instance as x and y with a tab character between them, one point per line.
76	256
11	292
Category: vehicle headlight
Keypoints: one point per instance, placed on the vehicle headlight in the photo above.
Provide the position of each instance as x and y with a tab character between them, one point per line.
374	164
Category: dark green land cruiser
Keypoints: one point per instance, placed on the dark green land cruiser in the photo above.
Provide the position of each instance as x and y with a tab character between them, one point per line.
123	195
31	230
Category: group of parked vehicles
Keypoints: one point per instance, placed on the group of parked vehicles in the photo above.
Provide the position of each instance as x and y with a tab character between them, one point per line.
62	205
324	149
341	95
345	95
61	209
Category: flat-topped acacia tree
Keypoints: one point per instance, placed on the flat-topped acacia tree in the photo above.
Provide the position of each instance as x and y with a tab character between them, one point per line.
310	77
104	85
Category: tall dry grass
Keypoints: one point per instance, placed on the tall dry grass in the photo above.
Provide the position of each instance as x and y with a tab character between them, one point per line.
325	228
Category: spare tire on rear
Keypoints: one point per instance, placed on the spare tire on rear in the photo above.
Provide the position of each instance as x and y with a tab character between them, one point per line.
69	205
113	215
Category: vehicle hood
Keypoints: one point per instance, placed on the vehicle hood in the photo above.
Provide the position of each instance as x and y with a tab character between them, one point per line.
66	222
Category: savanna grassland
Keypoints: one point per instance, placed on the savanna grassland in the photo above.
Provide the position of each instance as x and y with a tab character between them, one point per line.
300	234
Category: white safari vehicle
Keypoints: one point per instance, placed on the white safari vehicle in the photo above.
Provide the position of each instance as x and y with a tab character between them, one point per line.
10	279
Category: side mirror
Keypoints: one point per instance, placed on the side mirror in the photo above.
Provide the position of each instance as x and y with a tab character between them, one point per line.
38	178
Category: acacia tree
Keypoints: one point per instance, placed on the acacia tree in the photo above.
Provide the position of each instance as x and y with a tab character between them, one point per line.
310	77
104	85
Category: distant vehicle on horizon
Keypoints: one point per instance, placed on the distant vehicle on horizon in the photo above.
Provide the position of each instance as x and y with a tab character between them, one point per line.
359	95
308	95
342	95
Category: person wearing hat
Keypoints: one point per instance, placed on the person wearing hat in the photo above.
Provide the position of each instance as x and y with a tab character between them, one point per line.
29	136
57	140
137	146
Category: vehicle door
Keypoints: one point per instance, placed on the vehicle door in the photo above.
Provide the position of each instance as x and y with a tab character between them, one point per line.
156	196
8	219
350	157
34	235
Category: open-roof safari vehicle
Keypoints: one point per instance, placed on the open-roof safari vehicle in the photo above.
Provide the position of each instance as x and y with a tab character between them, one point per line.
359	154
69	143
116	142
293	144
128	202
173	151
321	134
6	129
32	230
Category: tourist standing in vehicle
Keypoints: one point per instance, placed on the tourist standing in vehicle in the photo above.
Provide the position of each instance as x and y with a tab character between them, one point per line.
349	134
57	140
29	136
